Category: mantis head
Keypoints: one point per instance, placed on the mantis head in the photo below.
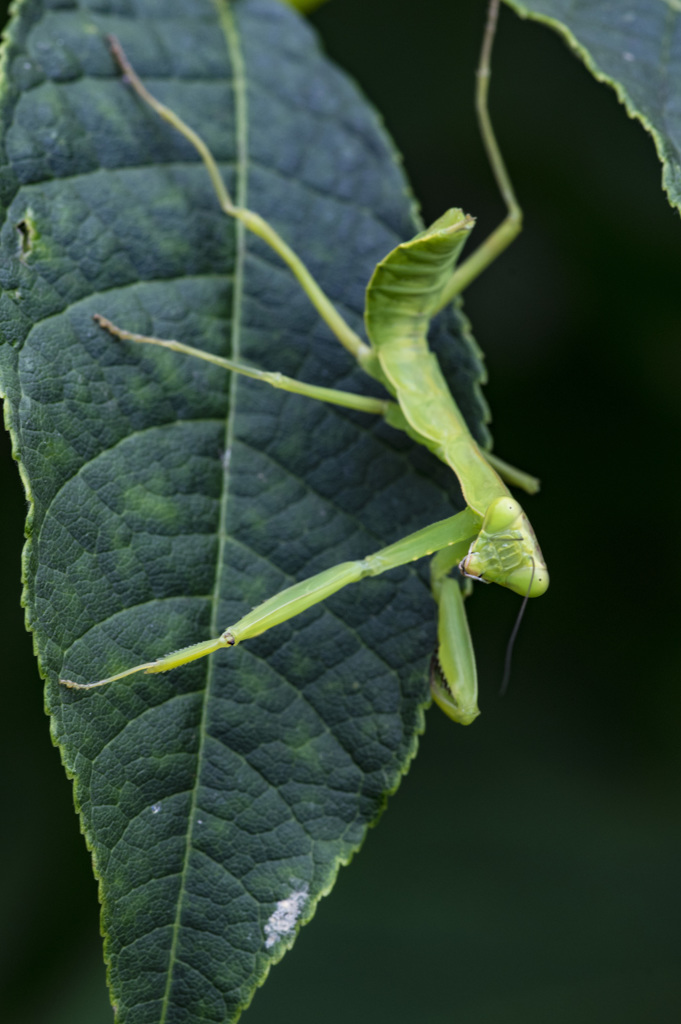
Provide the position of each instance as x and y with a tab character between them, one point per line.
506	551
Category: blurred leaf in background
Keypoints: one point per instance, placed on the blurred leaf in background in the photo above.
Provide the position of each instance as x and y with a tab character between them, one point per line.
305	5
528	868
633	48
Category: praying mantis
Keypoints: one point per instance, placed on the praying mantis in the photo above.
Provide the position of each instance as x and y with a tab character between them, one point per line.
491	539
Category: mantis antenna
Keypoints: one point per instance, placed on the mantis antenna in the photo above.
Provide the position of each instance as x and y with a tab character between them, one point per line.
506	678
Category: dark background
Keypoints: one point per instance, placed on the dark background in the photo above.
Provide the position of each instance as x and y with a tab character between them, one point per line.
527	871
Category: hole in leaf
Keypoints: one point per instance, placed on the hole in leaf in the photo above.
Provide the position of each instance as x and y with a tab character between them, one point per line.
28	235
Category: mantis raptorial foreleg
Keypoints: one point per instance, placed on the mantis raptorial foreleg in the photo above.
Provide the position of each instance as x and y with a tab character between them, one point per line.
491	539
453	672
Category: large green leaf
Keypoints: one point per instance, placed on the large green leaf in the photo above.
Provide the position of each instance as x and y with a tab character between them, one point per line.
166	499
636	48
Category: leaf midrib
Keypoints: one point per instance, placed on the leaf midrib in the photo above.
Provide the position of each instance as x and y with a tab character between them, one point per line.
232	42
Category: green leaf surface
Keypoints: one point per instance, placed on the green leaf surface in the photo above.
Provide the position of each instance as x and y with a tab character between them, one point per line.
636	48
166	498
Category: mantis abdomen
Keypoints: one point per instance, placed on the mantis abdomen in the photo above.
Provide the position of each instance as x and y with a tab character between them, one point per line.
403	295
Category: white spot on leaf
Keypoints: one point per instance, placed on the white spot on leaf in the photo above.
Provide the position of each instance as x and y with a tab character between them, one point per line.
155	808
283	920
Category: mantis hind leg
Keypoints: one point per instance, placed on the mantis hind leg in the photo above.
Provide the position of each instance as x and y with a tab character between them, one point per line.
256	224
361	403
512	223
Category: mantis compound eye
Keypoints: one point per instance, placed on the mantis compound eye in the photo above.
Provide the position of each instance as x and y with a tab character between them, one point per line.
528	581
502	515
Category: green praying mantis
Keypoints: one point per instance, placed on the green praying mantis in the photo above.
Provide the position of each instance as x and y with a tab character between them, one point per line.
491	539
